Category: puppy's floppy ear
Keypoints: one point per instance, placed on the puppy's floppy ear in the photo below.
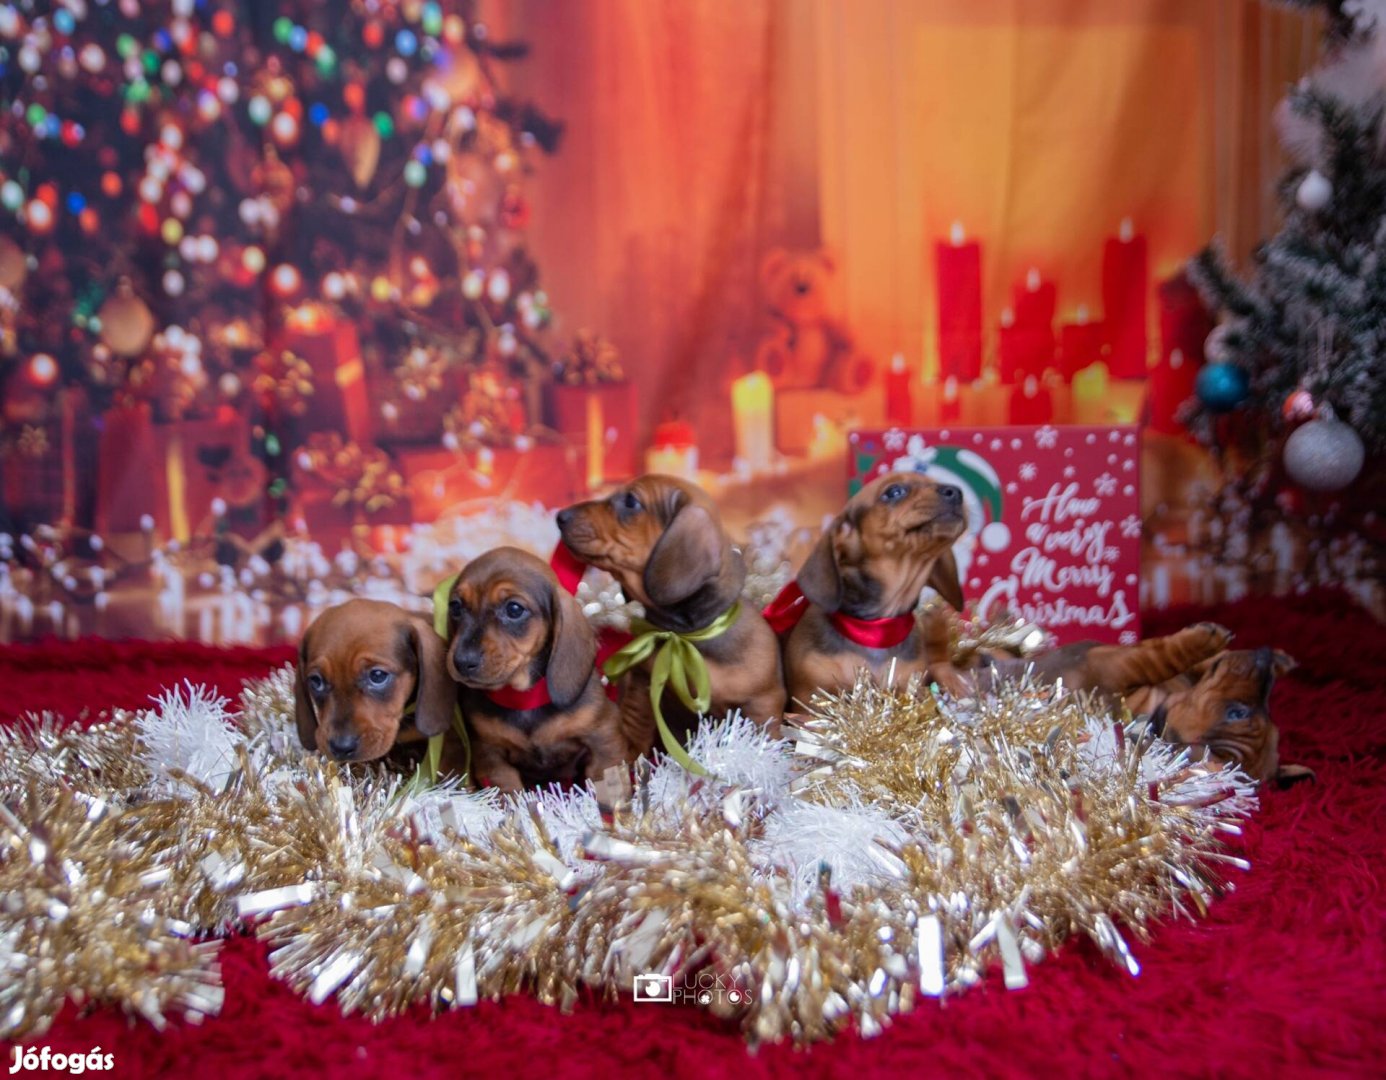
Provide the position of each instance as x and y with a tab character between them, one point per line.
685	558
572	649
943	579
819	578
1288	775
1205	668
305	715
435	694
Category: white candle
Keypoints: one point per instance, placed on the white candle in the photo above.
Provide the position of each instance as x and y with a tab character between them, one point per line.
753	418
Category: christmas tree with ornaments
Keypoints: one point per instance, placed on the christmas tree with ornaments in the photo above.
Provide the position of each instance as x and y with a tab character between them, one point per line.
282	241
1294	393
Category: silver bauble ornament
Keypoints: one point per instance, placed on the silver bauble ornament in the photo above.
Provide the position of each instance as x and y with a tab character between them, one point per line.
1324	455
1314	191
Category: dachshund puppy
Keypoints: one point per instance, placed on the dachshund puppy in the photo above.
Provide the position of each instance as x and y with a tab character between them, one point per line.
525	655
360	666
1224	704
662	539
863	580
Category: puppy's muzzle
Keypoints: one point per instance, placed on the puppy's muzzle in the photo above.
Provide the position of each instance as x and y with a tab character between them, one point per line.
344	746
950	496
466	660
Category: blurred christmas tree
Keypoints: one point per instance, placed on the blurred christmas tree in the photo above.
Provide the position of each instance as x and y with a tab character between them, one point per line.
212	205
1296	374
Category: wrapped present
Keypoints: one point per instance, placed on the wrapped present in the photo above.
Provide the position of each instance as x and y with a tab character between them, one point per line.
540	469
329	345
172	473
795	410
412	398
342	489
1054	525
599	420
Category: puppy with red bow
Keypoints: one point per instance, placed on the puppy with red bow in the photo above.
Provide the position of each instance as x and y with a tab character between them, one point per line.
535	705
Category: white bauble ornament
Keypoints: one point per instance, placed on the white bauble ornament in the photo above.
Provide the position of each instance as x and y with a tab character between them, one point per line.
1314	191
1324	455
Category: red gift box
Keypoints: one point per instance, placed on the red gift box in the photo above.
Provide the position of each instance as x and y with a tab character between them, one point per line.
441	480
168	472
1054	525
330	346
599	422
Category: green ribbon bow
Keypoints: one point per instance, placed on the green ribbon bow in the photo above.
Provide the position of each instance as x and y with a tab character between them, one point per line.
677	664
427	774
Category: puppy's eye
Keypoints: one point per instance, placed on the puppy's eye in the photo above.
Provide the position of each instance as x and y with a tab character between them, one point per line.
1237	711
630	501
894	493
514	610
317	683
454	609
378	677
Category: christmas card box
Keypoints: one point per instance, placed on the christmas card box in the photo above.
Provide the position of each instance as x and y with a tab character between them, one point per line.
1054	527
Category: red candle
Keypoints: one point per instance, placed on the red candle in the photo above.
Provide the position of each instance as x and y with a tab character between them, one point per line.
1031	403
959	269
1080	344
897	389
951	409
1027	339
1125	282
1184	326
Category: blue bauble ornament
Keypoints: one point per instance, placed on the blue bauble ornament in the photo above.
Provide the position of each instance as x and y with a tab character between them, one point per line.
1222	387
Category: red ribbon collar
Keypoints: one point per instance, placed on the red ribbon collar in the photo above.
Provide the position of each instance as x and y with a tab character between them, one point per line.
784	612
512	700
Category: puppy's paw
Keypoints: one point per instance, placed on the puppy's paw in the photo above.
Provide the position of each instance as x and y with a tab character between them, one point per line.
1216	637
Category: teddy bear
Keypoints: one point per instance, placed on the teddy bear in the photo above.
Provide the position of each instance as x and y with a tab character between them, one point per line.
807	348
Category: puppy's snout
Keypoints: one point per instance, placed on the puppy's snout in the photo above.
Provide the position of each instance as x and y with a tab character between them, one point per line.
466	659
565	517
950	495
343	746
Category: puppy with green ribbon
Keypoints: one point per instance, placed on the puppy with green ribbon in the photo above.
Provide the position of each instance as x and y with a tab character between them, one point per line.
698	651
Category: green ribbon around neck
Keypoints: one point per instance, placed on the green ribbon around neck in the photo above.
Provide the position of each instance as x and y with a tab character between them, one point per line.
677	664
427	774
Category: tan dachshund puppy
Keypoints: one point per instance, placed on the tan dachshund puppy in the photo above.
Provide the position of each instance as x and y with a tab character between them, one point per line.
361	665
863	582
662	539
1224	704
525	655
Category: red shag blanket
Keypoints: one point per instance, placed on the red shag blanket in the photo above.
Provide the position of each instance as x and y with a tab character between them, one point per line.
1286	977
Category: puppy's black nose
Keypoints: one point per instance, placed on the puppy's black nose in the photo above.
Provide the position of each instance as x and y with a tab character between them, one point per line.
467	661
564	516
950	494
343	746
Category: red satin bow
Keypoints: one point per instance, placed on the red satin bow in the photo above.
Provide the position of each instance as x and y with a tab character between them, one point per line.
784	612
568	568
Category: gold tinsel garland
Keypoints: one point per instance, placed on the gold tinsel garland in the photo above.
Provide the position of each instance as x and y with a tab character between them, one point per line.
897	845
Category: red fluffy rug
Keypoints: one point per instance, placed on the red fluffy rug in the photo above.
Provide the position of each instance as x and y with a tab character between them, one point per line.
1286	976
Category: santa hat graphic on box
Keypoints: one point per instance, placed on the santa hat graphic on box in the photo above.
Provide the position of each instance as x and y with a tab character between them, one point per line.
981	487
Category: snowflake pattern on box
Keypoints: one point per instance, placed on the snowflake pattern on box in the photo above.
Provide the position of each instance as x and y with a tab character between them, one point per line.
1054	527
